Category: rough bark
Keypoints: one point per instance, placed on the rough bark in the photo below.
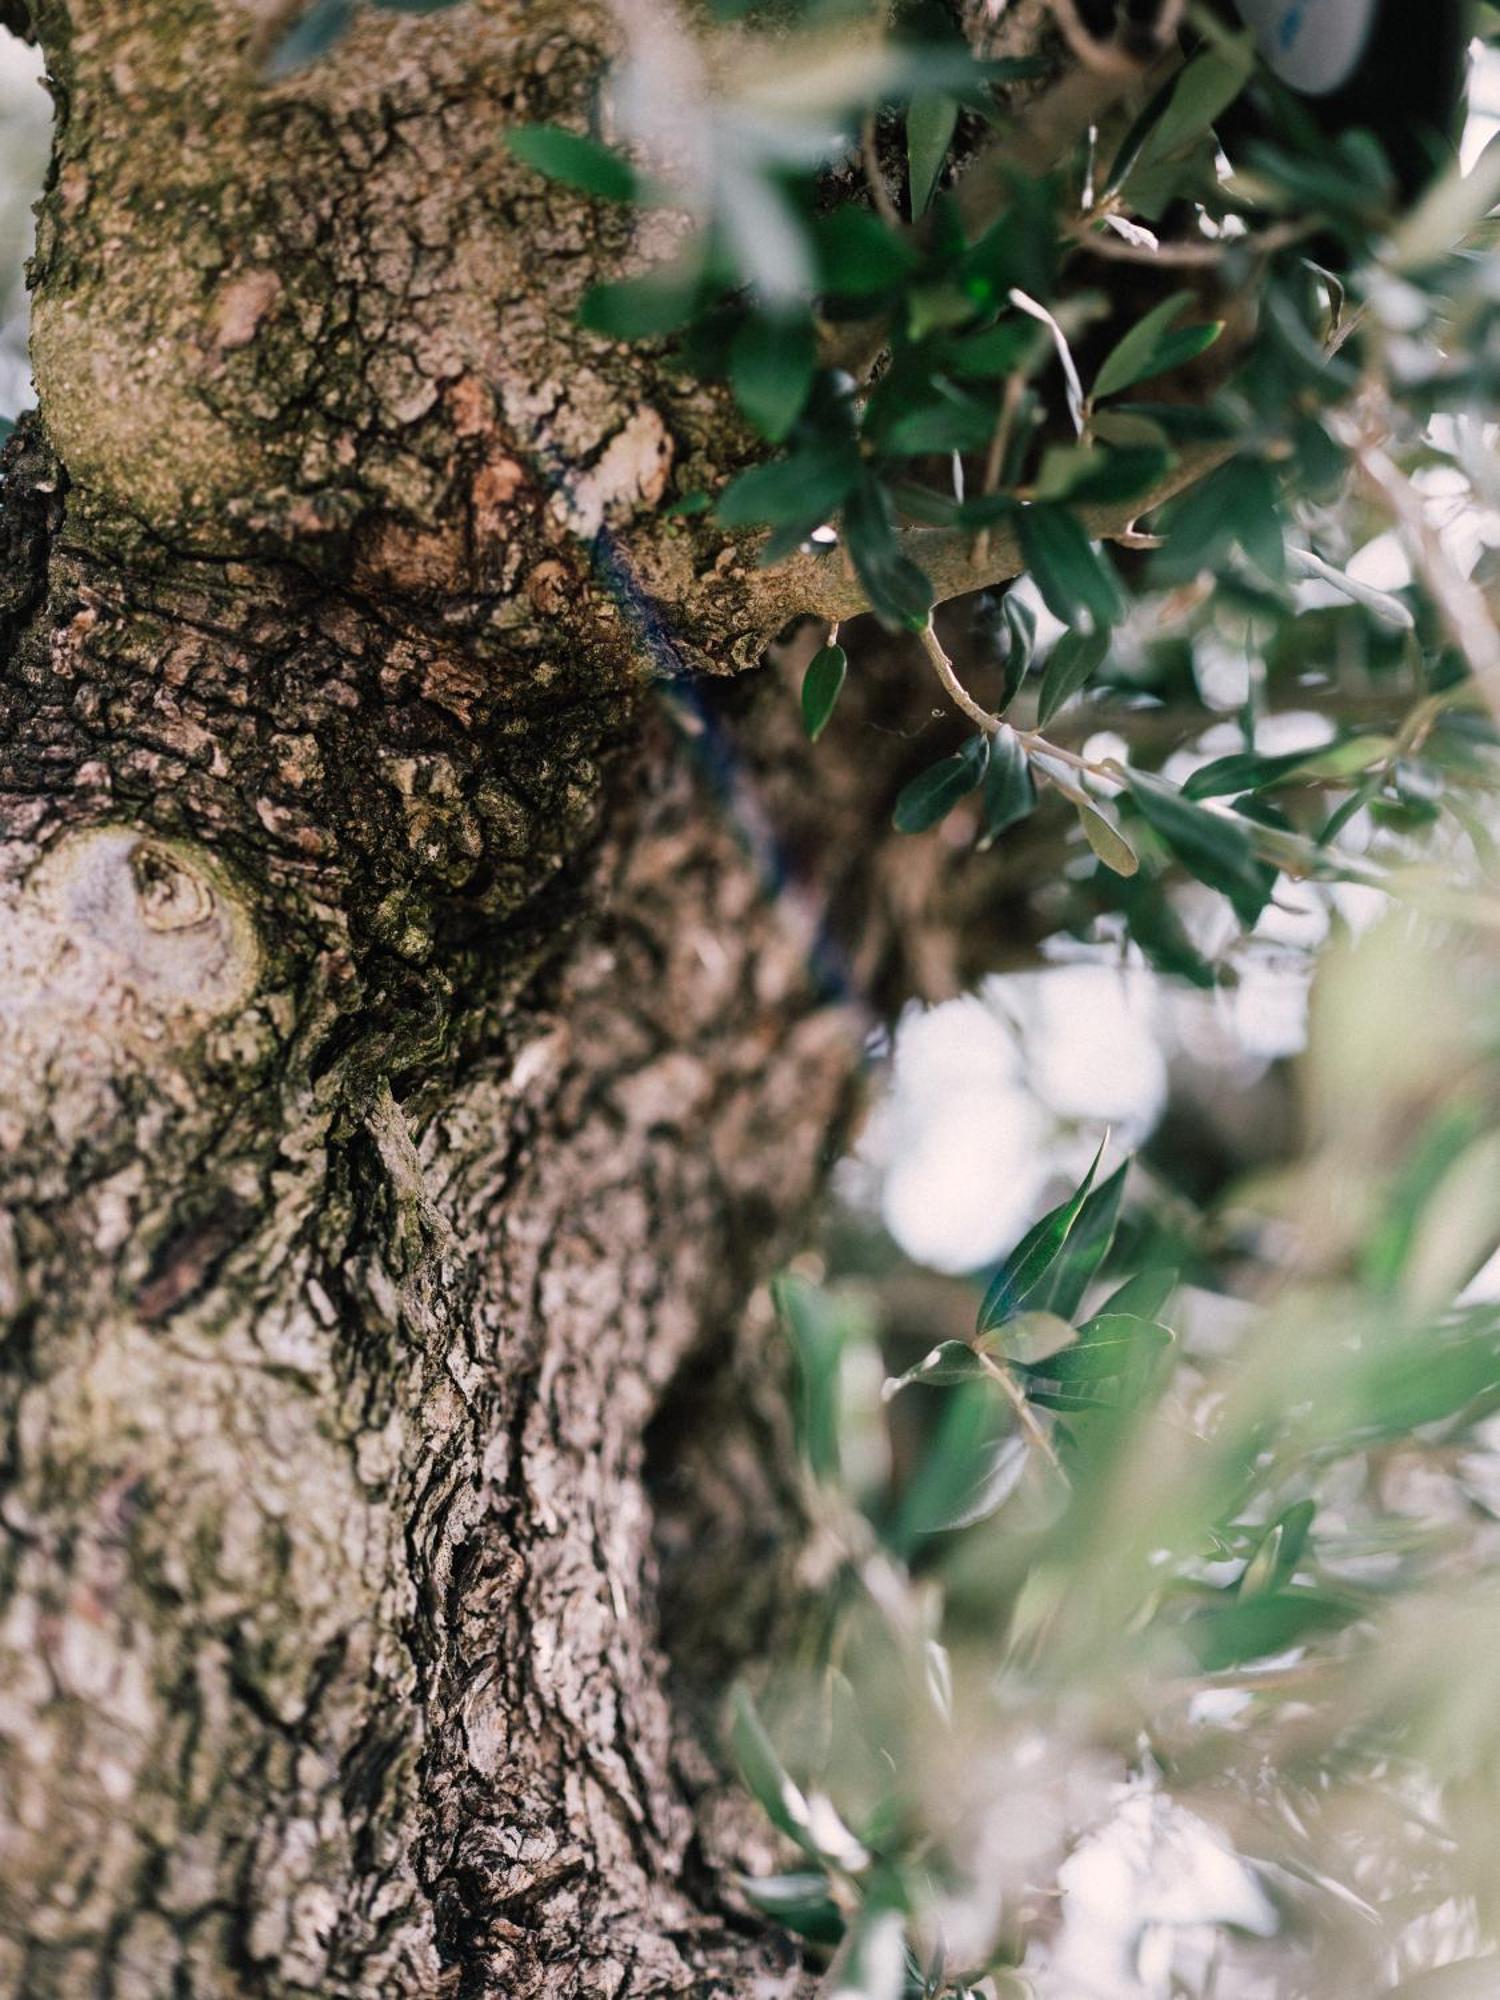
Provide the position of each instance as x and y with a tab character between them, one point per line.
404	1075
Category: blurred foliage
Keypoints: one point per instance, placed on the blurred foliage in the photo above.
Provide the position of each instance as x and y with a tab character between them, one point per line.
1225	1542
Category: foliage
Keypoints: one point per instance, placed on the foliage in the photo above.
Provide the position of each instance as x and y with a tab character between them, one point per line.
933	332
1102	1535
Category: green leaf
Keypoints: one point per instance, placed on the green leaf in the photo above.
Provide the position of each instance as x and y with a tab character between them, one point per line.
576	161
1087	1247
771	366
930	121
1144	1295
1019	621
314	32
950	1361
1244	771
1009	790
1087	476
1032	1258
1155	926
1033	1337
1253	1628
858	254
1070	665
1203	91
641	308
1237	504
872	1965
933	793
803	490
1151	349
970	1468
1214	847
800	1902
947	423
998	351
899	593
1110	1344
817	1326
762	1770
1138	344
1275	1560
1077	584
821	686
1107	841
1109	1367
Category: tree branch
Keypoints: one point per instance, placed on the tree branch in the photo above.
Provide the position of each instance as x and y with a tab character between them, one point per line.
822	585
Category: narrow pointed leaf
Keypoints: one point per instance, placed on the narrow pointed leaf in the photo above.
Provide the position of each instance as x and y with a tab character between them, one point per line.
1033	1337
802	490
1144	1295
801	1902
930	123
933	793
1213	847
949	1361
1107	841
1110	1344
1071	664
784	1802
1019	621
1086	1248
821	686
1138	345
1033	1256
576	161
771	368
1009	791
1076	581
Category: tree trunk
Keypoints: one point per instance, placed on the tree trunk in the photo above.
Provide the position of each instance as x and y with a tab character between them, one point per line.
405	1077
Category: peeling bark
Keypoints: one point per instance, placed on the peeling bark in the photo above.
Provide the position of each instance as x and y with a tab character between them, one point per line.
405	1077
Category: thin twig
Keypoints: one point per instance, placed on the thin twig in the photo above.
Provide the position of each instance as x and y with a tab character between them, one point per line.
1025	1416
953	687
1103	58
1460	602
1031	740
880	194
994	464
1187	256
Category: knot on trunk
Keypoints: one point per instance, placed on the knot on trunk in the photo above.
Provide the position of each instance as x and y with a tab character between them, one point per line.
119	926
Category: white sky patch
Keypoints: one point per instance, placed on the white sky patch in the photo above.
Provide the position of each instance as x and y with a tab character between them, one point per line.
1089	1039
1382	563
986	1096
1143	1896
1223	673
1270	1009
1484	104
963	1142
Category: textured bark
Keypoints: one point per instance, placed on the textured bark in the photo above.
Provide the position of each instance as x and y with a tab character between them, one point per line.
405	1076
418	1037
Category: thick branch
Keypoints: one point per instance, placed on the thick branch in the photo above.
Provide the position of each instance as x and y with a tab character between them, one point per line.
825	585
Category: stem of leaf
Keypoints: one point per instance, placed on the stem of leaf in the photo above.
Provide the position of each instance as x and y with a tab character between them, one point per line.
1025	1416
1032	741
